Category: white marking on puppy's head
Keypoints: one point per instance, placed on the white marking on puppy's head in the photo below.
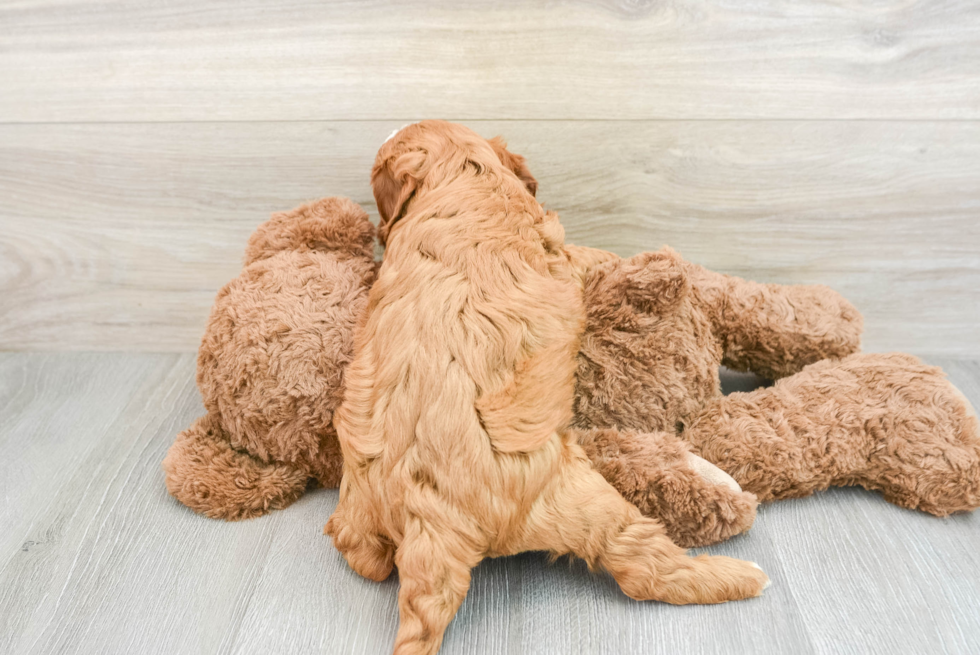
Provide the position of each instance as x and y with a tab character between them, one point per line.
394	132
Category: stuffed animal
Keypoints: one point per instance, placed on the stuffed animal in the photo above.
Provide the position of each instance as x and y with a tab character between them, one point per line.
271	366
658	327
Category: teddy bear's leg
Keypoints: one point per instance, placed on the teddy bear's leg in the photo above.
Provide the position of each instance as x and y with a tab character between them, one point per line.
772	329
356	535
582	514
205	473
882	421
697	502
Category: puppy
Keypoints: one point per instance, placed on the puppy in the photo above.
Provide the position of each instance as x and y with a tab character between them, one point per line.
453	426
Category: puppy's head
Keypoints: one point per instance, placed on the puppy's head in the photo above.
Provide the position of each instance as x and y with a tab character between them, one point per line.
423	155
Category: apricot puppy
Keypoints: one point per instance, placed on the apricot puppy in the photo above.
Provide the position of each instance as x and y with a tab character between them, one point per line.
453	426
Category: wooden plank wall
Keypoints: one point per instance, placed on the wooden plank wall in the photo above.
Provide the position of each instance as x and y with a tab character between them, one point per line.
794	142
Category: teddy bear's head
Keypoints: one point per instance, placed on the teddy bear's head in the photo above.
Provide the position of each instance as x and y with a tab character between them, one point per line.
330	225
280	335
648	358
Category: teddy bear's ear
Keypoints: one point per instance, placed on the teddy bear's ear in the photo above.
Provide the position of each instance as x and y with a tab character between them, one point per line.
651	283
516	163
327	225
656	281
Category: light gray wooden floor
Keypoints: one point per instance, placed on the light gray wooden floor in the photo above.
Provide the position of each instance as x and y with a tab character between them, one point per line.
95	557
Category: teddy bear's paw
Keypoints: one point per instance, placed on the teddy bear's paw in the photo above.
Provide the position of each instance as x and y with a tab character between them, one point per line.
702	505
942	485
712	473
920	443
697	503
206	474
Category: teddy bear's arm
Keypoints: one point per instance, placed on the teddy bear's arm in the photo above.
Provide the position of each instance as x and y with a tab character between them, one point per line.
698	504
775	330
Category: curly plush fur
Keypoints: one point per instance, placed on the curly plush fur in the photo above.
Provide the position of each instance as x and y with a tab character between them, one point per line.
884	422
271	365
658	328
657	472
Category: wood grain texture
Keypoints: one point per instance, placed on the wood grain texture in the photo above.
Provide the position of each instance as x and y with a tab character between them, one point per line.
107	565
95	557
93	60
117	237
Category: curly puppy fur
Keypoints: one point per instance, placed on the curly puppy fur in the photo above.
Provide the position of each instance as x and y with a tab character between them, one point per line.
271	364
453	423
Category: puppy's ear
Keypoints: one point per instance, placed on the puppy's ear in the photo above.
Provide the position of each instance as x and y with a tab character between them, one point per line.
516	163
394	181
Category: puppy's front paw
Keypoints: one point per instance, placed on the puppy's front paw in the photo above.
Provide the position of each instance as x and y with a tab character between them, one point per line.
713	580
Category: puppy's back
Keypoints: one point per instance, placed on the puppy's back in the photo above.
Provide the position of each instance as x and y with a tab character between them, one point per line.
475	310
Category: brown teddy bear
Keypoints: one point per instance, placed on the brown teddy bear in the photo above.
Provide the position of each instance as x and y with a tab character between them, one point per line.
658	328
271	366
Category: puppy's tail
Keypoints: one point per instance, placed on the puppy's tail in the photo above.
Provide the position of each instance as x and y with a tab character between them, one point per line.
205	473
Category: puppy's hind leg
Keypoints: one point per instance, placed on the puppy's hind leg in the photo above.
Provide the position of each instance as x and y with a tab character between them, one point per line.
434	576
356	536
582	514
